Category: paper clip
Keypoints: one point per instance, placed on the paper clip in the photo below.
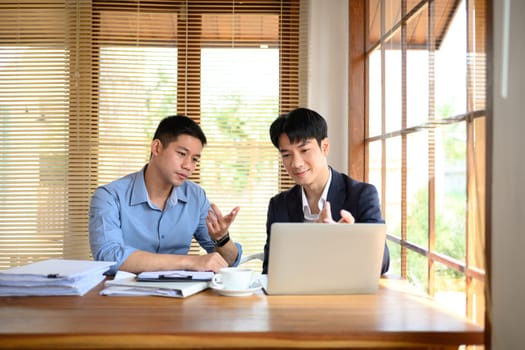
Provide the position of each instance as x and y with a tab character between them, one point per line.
176	275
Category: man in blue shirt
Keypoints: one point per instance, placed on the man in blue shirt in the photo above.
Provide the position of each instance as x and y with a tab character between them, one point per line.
146	220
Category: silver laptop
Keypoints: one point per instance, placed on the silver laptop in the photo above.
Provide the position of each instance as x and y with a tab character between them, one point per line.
314	258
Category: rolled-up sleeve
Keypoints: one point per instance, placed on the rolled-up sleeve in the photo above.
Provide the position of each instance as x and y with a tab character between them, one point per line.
105	233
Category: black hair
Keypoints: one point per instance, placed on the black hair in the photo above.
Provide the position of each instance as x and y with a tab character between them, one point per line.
299	125
172	126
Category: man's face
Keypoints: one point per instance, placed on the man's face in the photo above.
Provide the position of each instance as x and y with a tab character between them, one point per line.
177	161
303	160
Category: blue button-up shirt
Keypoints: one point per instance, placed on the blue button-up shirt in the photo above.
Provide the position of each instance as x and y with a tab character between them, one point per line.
122	219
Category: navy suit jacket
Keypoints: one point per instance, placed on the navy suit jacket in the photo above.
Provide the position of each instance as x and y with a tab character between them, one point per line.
359	198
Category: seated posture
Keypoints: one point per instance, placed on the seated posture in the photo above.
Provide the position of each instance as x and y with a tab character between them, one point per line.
321	194
146	220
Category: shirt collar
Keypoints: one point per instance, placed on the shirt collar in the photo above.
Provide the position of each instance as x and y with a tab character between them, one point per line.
308	216
140	195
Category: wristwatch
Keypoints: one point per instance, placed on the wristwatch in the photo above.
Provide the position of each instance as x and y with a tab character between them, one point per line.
222	241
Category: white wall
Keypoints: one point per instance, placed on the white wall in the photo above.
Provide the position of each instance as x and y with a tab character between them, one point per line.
328	73
508	186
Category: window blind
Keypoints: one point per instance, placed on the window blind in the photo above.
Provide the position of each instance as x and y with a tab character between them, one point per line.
45	133
85	83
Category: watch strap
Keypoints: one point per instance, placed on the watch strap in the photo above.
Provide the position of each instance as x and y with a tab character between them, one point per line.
222	241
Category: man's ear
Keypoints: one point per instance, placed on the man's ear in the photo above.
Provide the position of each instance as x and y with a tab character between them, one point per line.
156	147
325	146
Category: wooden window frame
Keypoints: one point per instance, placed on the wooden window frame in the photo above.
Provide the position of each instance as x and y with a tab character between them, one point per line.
359	46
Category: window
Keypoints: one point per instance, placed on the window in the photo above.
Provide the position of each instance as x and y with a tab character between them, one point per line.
423	112
84	84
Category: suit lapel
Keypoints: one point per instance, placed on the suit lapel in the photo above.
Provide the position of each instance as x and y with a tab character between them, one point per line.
336	194
295	205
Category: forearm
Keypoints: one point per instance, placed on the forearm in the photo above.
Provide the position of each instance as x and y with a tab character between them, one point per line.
140	261
218	226
229	252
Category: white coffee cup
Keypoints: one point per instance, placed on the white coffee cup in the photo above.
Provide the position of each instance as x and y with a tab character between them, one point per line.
233	278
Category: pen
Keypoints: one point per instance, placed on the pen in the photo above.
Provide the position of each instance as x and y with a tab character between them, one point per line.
176	276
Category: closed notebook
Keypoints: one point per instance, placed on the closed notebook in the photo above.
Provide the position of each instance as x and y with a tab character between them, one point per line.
126	283
315	258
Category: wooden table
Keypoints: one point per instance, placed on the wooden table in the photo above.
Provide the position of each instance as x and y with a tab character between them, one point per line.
392	318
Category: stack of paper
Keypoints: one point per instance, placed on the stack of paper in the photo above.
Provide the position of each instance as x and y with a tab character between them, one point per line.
53	277
177	285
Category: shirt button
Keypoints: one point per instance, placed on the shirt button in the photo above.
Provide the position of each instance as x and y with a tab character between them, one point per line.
162	236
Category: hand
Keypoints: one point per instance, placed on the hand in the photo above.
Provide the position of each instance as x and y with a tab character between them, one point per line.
346	217
209	262
326	216
218	224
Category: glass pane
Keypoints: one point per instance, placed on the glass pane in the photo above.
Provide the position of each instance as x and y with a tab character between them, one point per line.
417	80
374	165
34	168
449	288
395	259
375	99
391	10
417	188
450	68
393	86
411	4
237	111
477	56
138	86
451	198
417	270
374	21
393	186
392	14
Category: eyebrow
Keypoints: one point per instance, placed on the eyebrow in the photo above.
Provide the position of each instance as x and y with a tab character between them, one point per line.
301	143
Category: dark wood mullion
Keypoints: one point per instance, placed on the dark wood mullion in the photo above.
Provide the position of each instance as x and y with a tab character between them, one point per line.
83	115
188	81
288	71
489	127
471	180
188	64
476	231
288	57
358	121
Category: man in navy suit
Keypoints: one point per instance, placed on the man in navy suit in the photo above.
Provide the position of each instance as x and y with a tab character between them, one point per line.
321	194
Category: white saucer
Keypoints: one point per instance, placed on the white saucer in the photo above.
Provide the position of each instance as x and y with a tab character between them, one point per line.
237	293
